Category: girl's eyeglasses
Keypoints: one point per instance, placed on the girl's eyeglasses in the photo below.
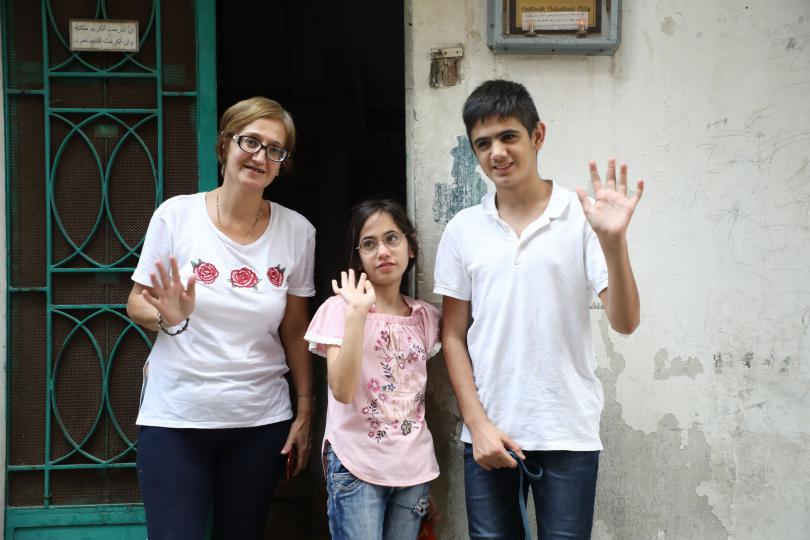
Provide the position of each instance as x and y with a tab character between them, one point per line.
391	239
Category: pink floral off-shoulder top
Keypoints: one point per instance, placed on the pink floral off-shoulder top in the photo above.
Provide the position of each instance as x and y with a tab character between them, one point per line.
381	436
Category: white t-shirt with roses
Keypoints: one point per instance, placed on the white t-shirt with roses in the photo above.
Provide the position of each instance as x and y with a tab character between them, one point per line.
227	369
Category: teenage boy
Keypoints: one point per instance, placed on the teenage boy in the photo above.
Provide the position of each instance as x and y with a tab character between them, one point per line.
524	266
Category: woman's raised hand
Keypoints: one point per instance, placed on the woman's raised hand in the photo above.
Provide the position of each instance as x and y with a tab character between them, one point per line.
356	295
174	302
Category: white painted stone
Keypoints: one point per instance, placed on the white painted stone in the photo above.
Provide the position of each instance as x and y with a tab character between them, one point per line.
708	102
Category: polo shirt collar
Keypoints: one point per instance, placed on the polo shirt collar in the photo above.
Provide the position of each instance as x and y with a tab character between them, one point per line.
557	203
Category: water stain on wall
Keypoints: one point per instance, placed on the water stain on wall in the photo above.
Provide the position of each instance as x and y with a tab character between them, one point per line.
467	188
668	26
727	360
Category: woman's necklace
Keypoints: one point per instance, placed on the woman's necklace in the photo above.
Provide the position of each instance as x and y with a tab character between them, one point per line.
255	221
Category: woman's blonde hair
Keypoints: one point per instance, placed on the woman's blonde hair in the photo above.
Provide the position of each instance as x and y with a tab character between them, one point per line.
247	111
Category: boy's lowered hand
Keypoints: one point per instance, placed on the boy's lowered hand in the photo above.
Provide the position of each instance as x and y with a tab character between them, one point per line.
491	445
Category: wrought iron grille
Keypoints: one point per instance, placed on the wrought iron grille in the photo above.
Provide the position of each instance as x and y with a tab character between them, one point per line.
95	141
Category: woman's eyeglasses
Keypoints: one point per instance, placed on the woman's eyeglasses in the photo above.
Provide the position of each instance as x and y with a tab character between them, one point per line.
251	145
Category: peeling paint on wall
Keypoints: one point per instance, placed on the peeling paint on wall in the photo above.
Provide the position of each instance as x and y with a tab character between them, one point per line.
642	474
677	367
467	188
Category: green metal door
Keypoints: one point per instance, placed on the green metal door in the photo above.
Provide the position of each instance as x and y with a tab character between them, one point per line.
95	141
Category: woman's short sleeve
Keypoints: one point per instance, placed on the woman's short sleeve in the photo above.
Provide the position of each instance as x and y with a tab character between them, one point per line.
157	246
327	325
302	280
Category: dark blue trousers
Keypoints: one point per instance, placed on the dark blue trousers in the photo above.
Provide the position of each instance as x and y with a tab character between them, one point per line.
182	472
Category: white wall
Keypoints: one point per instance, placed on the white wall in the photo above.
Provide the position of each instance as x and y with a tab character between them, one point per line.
707	405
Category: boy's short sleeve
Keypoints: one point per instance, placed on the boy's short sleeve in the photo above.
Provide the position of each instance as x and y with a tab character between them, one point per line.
450	276
327	326
595	264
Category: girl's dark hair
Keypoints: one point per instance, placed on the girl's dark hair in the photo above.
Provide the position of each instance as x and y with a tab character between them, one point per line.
360	214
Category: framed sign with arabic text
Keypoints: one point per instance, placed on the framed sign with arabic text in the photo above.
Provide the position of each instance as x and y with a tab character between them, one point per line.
587	27
554	16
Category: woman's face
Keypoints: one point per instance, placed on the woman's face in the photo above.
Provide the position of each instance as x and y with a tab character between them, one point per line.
255	170
386	264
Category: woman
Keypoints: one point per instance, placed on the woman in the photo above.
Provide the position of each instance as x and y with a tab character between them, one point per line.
224	278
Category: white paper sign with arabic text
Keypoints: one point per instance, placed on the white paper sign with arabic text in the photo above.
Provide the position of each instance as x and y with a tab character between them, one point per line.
103	35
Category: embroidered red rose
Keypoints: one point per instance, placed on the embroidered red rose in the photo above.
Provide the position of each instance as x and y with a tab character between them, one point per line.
205	271
244	277
276	275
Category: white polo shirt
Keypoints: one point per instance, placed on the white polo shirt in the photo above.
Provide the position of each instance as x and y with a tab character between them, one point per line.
530	339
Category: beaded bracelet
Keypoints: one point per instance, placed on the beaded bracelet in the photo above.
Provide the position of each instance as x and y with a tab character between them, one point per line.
162	326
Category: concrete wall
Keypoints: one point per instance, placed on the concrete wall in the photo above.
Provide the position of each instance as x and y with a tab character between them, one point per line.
707	405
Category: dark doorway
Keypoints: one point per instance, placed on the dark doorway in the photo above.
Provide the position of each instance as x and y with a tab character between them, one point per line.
339	68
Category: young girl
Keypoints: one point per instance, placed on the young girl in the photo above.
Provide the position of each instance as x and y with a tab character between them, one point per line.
378	452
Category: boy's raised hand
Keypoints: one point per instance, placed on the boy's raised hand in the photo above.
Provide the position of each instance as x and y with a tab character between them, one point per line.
357	295
610	214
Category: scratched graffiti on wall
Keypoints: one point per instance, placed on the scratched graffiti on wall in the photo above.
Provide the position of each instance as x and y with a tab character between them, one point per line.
467	188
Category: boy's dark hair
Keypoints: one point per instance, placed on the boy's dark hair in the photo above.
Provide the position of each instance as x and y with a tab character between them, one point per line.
500	99
364	210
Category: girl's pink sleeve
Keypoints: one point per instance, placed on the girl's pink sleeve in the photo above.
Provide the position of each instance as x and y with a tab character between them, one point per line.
433	337
326	327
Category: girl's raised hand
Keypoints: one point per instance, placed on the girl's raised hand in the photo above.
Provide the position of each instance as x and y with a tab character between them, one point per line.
358	294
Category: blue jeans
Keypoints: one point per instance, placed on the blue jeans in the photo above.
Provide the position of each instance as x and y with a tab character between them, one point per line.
563	496
362	511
